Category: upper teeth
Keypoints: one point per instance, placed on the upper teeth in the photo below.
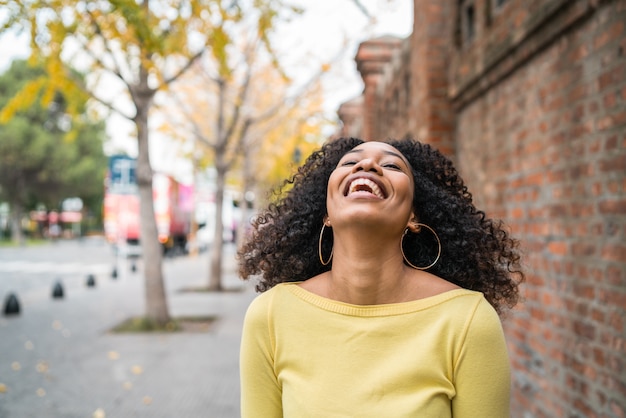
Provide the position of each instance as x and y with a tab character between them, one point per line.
365	182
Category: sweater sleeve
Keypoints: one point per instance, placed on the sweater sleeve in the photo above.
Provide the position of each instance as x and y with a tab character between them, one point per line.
260	391
482	372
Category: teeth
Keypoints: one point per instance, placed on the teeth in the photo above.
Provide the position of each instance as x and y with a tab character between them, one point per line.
374	189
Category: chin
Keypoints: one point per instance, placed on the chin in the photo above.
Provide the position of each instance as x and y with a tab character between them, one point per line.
364	218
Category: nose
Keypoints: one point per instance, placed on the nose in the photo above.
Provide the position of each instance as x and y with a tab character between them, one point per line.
367	164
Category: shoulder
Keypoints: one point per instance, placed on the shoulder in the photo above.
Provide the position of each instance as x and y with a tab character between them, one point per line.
482	323
484	313
472	308
264	303
466	311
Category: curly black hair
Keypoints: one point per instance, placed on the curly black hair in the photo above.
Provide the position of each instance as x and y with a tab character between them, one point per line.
477	253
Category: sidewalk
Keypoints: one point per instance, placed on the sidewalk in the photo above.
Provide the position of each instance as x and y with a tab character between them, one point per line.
57	359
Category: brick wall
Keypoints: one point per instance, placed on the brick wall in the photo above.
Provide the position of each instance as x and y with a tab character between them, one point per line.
401	76
371	58
431	118
533	111
541	140
393	95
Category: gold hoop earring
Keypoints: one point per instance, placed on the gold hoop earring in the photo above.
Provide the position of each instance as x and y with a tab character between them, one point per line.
319	248
438	249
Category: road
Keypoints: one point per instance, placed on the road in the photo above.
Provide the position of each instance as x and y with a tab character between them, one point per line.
31	271
58	357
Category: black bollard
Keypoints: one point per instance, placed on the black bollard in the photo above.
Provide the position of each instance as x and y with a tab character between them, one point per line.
133	267
11	305
114	273
91	280
57	290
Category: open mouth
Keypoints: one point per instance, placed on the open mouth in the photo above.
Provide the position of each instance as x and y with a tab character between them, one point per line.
363	185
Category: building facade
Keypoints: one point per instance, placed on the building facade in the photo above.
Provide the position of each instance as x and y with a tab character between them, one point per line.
528	97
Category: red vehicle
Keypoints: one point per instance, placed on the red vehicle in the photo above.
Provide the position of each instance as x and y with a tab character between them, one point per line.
173	206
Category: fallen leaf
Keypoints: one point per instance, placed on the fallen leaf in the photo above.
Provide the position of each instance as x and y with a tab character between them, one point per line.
98	413
42	367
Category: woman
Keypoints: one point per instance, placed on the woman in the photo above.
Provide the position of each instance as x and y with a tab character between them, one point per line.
382	286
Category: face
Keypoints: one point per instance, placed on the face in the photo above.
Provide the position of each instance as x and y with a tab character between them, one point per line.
372	185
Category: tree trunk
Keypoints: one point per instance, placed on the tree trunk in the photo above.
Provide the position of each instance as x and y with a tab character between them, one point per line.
244	220
152	251
193	227
17	235
215	269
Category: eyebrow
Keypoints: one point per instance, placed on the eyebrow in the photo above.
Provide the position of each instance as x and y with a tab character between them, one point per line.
395	154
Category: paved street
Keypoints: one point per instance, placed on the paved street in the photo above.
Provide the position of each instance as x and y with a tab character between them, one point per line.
58	358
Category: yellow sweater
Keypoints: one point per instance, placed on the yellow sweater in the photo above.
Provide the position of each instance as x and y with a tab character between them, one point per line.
303	355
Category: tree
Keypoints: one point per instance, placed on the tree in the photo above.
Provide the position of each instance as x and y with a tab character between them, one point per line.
145	46
42	161
237	108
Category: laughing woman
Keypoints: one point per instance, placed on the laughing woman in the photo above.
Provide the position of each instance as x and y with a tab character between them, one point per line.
382	285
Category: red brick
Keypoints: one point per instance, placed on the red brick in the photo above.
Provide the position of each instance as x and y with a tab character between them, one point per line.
612	207
585	291
581	406
613	298
617	408
609	100
614	187
611	121
584	330
613	163
617	322
611	77
616	275
610	143
597	315
557	248
614	252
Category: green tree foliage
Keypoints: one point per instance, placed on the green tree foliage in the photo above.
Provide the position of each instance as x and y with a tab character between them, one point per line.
40	163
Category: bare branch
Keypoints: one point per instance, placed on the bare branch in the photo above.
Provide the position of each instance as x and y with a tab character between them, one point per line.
295	98
111	107
243	92
363	9
99	61
182	70
195	127
117	68
241	144
78	82
249	57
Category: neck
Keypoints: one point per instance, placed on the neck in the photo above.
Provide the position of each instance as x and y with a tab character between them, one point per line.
368	270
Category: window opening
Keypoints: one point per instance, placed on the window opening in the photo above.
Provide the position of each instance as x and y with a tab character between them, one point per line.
470	17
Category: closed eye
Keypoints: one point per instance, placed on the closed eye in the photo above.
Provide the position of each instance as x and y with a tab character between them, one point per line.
348	163
392	166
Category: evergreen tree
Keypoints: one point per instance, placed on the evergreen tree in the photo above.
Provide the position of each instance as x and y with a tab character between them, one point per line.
40	162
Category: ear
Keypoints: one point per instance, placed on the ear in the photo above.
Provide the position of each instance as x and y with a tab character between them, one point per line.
326	220
413	224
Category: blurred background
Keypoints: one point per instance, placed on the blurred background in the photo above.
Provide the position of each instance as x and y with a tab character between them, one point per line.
138	138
